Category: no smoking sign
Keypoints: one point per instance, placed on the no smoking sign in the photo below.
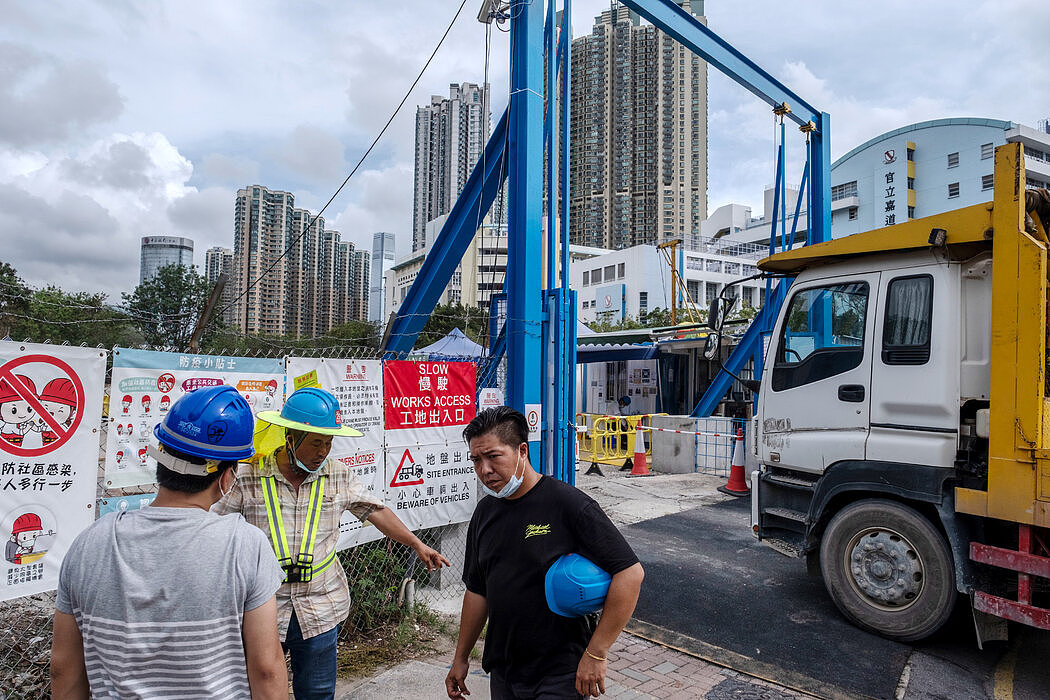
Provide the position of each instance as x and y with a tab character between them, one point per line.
41	405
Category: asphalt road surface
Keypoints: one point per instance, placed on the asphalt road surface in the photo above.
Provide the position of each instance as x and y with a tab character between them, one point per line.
712	590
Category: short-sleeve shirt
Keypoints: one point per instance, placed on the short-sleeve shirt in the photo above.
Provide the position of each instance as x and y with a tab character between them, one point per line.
323	602
159	595
510	546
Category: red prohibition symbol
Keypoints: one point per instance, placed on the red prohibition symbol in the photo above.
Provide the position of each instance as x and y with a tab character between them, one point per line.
26	394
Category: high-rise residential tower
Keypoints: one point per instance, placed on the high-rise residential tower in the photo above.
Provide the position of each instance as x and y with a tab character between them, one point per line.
219	260
290	275
638	160
383	250
161	251
451	134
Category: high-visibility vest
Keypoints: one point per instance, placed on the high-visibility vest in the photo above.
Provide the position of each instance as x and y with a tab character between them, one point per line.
302	568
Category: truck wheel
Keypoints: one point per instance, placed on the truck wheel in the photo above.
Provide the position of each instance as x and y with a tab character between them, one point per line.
888	569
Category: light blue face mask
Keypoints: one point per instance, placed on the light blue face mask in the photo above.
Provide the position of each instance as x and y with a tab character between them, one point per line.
511	486
295	460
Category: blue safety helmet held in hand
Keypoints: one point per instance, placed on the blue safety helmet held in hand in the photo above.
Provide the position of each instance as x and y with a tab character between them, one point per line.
312	410
214	423
575	586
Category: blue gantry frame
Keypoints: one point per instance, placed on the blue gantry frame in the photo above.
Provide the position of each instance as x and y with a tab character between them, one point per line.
540	331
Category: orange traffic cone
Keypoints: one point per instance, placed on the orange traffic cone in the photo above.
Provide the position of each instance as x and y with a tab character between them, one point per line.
736	486
641	468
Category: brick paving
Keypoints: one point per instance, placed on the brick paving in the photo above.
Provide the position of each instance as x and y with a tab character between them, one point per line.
641	669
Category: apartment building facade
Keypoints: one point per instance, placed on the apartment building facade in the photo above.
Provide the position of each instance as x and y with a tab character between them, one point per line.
451	133
291	277
638	163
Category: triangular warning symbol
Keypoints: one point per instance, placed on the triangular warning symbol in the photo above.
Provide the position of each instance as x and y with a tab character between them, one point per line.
408	472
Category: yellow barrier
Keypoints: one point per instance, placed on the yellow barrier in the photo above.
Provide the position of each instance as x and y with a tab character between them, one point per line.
610	439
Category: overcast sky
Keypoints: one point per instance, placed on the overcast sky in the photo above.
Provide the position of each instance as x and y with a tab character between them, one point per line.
121	119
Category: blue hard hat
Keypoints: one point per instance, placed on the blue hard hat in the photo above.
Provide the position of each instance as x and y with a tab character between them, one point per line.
575	586
213	422
312	410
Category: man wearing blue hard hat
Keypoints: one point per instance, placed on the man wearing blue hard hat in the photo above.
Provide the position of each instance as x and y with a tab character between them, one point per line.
296	495
172	599
540	555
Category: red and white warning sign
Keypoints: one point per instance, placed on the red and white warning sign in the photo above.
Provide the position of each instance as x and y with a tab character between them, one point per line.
50	413
408	472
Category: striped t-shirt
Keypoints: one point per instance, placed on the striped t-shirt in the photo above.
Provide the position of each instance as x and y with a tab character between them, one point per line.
159	595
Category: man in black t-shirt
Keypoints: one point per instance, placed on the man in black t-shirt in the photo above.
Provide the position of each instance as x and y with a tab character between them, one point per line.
527	522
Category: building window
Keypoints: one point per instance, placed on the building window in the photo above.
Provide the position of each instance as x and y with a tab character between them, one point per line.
953	160
852	213
596	275
643	303
911	154
586	278
911	183
987	182
610	273
987	150
953	189
848	189
620	271
911	212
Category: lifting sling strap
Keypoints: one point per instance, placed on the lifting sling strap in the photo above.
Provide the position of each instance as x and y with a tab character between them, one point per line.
302	569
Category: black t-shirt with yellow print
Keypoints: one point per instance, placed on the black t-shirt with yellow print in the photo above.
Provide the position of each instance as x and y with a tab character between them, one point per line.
510	546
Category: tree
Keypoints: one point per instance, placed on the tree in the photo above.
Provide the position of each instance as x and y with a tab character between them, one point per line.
472	320
14	301
78	318
166	307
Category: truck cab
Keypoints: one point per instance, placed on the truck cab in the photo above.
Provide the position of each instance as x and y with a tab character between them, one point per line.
891	383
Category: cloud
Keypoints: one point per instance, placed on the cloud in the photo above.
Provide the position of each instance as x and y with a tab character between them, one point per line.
227	169
206	216
313	154
45	99
79	217
382	201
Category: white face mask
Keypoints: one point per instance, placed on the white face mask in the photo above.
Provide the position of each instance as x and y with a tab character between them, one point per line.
511	486
235	479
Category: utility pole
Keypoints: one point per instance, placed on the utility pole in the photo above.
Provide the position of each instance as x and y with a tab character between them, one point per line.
202	322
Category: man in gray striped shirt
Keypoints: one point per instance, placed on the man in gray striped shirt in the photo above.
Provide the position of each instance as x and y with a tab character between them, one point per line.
173	601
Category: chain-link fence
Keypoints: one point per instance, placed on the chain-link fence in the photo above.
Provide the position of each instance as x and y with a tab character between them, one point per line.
391	590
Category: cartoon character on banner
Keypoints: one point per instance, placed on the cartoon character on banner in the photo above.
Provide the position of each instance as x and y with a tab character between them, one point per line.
126	403
165	403
16	415
165	382
144	430
142	456
120	459
24	533
146	401
269	401
59	398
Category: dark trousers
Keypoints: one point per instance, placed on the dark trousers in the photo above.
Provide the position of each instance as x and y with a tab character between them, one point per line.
562	687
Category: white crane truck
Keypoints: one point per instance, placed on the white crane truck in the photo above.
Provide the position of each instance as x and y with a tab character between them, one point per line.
903	424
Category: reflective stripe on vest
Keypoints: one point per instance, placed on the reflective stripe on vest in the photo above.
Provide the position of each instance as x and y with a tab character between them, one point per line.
304	559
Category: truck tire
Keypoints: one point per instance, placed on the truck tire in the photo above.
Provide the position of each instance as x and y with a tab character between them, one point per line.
888	569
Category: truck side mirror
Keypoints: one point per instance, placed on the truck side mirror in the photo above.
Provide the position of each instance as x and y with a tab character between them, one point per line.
711	345
714	314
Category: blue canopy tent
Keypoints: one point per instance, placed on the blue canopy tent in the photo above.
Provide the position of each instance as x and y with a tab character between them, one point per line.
454	346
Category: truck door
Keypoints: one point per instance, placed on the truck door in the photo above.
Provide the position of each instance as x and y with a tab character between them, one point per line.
816	391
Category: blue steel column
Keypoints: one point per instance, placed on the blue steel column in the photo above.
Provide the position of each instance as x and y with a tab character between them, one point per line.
819	204
568	295
524	243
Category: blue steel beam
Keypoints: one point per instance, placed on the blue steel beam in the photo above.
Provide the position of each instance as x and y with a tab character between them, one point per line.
477	196
691	33
752	339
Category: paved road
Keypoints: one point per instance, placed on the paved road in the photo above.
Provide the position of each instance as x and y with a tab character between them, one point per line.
713	591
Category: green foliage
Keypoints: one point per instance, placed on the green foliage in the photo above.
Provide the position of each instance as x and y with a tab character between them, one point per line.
77	318
472	320
167	307
657	318
14	301
375	577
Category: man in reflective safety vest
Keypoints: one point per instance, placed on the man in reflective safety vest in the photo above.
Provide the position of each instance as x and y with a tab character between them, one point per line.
297	495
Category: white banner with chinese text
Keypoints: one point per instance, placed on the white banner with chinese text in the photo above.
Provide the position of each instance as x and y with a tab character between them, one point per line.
50	412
